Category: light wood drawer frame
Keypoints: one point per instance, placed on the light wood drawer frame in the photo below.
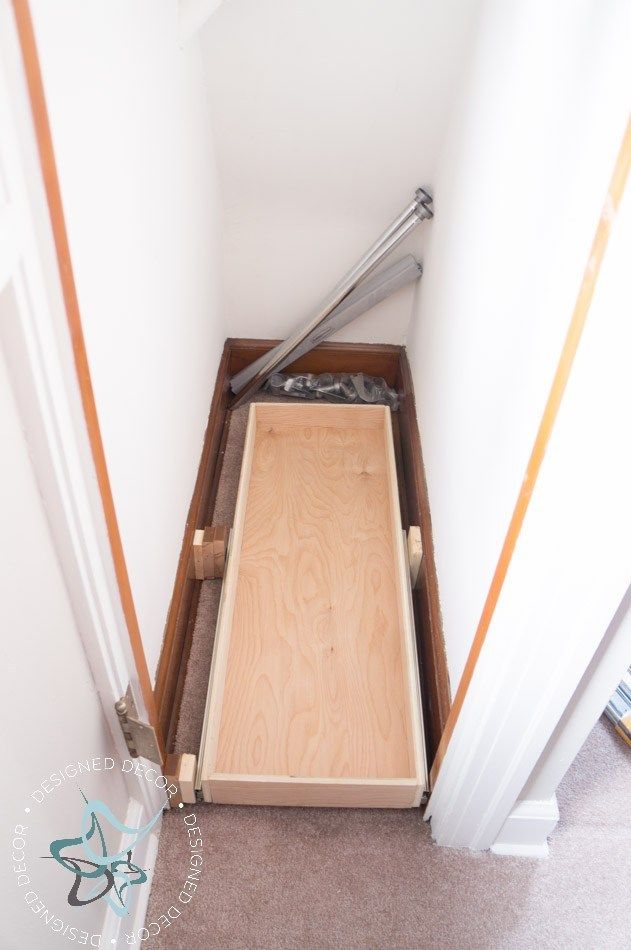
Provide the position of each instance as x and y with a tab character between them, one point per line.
322	790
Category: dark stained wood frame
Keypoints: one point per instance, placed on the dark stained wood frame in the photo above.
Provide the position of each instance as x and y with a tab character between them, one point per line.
435	689
391	363
375	359
178	632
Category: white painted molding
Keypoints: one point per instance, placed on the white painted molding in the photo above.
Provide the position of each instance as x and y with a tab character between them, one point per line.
193	15
9	245
116	930
556	605
590	698
525	832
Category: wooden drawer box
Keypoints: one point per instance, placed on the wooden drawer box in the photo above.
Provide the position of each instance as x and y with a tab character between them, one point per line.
314	694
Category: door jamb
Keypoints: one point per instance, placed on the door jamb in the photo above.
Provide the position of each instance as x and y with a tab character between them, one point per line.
476	779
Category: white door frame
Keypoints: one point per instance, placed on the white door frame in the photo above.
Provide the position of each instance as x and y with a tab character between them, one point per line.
560	626
38	351
536	813
482	797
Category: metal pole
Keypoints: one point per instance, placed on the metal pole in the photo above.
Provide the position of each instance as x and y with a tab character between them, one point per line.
417	211
367	294
407	213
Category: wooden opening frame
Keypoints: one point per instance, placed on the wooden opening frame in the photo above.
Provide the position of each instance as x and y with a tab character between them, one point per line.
391	363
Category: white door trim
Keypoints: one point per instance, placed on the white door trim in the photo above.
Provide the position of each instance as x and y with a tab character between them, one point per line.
568	562
525	832
535	815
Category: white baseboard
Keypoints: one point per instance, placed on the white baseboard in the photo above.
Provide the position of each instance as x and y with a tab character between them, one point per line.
525	832
145	856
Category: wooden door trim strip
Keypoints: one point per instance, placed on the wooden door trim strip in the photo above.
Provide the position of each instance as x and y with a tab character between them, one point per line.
32	70
546	425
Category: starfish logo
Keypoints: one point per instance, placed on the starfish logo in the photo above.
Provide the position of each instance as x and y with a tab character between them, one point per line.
107	876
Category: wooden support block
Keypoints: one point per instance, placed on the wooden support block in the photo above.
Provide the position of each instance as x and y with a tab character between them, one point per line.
208	554
415	554
171	769
214	550
180	771
197	562
623	728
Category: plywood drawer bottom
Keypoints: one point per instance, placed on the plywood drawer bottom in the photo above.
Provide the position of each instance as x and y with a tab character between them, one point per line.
314	696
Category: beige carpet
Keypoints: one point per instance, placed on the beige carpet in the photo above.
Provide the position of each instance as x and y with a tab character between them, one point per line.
326	878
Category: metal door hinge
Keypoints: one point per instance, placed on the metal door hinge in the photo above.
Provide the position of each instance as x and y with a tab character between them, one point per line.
140	736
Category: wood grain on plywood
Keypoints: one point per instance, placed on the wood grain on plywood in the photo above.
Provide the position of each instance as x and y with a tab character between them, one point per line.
273	790
315	680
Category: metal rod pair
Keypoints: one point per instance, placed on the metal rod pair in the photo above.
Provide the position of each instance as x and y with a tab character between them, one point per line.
366	295
418	210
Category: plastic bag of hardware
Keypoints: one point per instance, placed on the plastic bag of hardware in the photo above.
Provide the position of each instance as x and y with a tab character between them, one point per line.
338	387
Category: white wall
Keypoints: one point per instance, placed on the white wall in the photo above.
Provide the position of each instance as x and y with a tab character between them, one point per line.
44	680
518	192
134	153
327	116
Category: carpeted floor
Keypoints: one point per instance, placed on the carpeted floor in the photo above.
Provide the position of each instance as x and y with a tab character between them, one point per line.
327	878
